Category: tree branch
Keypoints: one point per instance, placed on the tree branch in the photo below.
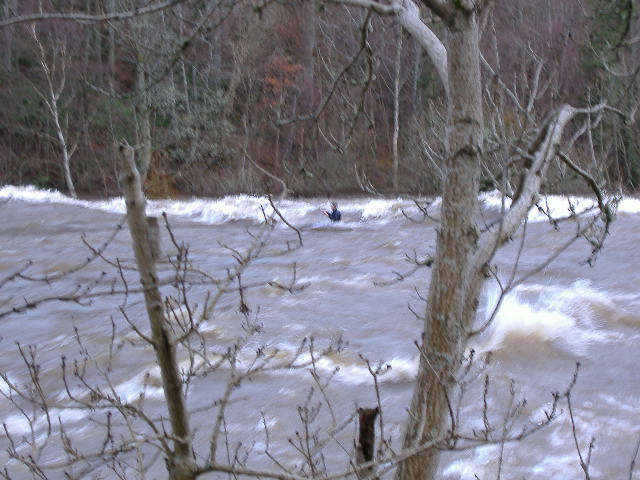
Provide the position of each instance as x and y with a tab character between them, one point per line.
408	14
89	18
540	155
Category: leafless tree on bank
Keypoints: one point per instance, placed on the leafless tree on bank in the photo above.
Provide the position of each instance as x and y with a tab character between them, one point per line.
466	242
182	357
466	245
53	63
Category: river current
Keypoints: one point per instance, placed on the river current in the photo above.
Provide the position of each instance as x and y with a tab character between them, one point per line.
353	284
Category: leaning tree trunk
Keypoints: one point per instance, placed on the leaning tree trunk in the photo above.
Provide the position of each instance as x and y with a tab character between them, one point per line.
66	155
455	286
179	460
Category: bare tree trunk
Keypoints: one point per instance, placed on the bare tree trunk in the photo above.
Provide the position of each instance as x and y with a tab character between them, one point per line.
144	118
180	462
52	97
396	108
66	157
111	43
454	286
143	33
462	251
8	33
309	27
417	66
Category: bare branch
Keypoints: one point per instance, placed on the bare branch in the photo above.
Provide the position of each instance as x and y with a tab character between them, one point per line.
285	220
543	150
89	18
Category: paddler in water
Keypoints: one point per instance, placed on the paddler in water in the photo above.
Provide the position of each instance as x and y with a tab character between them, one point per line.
334	215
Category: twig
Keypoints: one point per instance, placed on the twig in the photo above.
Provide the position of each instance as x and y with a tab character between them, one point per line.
275	209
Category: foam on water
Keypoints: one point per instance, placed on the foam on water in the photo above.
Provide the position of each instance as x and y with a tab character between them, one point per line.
35	195
303	212
559	461
563	317
230	208
210	211
19	425
235	207
629	205
354	372
558	206
469	467
148	382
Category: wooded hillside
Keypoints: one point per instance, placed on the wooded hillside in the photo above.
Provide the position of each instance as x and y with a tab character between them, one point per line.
310	97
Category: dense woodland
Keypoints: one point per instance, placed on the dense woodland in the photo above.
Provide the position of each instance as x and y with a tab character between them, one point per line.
302	97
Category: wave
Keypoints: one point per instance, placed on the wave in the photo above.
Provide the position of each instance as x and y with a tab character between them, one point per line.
567	318
396	370
558	206
348	369
306	212
235	207
23	424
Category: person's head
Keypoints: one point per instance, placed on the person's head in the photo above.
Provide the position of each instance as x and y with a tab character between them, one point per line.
334	205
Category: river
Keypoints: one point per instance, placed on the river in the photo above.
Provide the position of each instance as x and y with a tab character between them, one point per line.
353	286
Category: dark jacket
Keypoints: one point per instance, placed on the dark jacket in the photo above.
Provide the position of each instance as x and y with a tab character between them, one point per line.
334	215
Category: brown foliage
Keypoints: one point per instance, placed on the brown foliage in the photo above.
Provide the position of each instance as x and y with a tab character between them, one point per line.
303	89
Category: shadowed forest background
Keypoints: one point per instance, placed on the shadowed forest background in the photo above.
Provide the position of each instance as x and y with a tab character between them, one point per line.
300	97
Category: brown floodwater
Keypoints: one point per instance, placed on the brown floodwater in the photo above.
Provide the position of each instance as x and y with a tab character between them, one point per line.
569	312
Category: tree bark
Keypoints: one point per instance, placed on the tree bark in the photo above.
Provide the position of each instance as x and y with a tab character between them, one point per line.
396	109
144	117
462	252
180	462
408	15
8	34
454	286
